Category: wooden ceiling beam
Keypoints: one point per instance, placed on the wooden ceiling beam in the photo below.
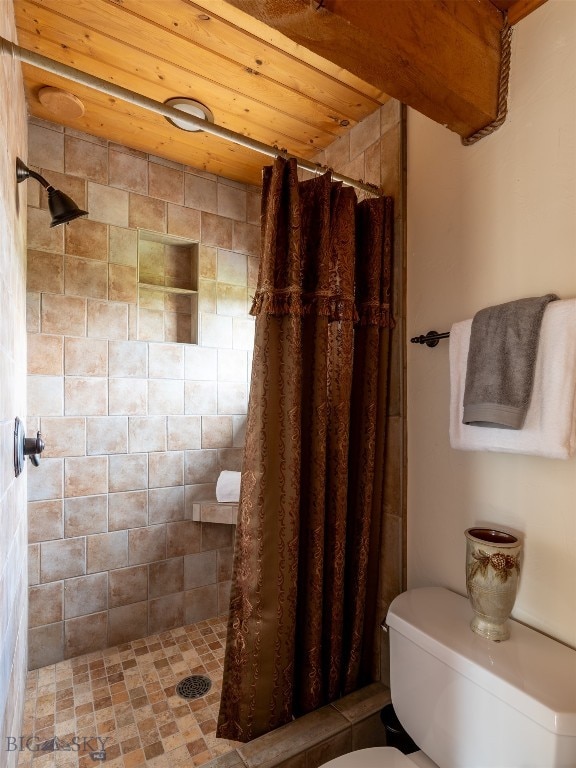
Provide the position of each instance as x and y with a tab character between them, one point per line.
441	57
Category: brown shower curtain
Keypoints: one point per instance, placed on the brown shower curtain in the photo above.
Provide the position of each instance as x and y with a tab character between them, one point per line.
306	557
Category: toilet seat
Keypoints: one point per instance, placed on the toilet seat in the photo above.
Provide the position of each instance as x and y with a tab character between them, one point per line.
380	757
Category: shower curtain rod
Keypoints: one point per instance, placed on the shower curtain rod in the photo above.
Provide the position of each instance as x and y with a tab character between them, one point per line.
124	94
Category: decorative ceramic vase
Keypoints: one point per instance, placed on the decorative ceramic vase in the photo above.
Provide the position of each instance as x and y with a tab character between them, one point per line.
492	571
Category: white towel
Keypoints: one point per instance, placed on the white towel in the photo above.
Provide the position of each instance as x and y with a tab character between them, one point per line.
550	426
228	486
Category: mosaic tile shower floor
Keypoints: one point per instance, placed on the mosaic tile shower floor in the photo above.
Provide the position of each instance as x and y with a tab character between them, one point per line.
126	697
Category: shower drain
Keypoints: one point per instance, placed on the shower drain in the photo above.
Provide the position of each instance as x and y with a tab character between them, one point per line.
194	686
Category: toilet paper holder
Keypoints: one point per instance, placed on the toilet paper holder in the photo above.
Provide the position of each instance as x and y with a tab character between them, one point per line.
26	446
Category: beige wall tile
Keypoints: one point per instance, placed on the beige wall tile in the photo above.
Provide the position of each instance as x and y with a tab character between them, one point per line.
33	564
85	634
166	183
45	148
106	551
85	396
33	312
107	204
166	504
40	235
166	361
184	432
150	325
216	432
45	604
147	544
243	333
183	538
128	622
232	397
364	134
123	246
106	434
85	476
107	320
207	296
63	314
232	267
231	299
86	159
166	612
166	577
201	603
224	589
45	520
184	222
128	396
200	363
372	164
165	469
62	559
45	396
200	193
200	397
216	230
45	354
88	239
63	437
232	202
45	645
45	272
127	585
232	365
128	509
46	481
86	278
246	238
85	514
85	594
231	458
225	561
199	570
201	467
147	433
165	396
253	268
216	331
253	205
207	261
200	492
128	358
147	212
127	172
85	357
216	536
337	153
122	283
239	431
128	473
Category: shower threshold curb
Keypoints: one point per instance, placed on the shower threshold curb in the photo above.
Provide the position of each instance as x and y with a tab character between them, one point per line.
350	723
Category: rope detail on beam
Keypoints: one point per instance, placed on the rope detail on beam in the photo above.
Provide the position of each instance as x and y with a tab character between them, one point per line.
503	82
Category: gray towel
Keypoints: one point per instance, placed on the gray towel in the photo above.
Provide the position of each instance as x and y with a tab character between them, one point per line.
500	367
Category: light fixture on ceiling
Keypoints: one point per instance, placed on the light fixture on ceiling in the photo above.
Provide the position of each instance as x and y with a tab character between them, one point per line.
62	208
194	108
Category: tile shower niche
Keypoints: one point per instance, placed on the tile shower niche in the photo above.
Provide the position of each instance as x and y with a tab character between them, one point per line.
167	288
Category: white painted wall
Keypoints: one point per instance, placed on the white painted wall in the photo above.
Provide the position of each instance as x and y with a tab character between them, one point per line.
488	224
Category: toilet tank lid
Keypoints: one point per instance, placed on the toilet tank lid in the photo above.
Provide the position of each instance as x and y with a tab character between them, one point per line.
531	672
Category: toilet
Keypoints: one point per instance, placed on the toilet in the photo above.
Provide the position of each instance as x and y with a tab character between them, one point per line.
468	702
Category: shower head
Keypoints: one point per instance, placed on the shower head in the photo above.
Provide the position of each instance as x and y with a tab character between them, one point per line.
62	208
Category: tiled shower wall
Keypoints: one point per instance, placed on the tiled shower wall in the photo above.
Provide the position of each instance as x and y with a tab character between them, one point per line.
136	430
13	603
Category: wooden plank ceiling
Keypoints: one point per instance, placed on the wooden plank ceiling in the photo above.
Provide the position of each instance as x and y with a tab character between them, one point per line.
255	79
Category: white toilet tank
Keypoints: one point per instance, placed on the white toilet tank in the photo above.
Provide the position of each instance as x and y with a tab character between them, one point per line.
471	703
